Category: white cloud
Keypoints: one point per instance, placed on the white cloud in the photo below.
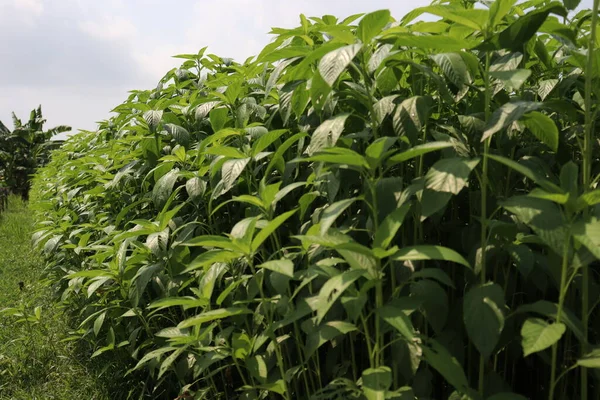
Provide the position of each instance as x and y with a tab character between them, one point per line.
107	28
35	7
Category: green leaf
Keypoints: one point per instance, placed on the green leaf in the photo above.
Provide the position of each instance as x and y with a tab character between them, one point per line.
212	315
389	227
417	151
542	128
550	310
498	10
326	332
327	134
166	364
281	266
436	42
179	133
515	36
266	140
433	273
339	156
164	188
538	335
527	172
483	316
333	289
398	319
218	118
372	24
429	252
590	360
231	171
335	62
410	117
98	323
512	80
270	228
454	67
450	175
442	361
376	382
588	234
140	281
153	118
543	216
195	188
472	18
376	150
185	302
332	212
571	4
434	302
506	115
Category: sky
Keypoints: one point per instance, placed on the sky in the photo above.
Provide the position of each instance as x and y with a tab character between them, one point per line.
79	58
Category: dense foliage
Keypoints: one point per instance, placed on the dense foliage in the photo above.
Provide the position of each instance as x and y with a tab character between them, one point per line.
24	150
372	209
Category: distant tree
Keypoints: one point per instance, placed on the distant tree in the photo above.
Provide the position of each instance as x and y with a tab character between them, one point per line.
24	149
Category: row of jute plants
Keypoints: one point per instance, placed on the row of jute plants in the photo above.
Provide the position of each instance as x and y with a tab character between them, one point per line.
370	208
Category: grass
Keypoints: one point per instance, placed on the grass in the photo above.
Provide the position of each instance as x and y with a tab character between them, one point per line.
35	361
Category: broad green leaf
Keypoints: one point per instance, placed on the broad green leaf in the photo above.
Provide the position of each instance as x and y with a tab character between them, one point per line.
472	18
153	118
98	323
434	302
335	62
433	273
515	36
417	151
410	117
450	175
527	172
550	310
429	252
231	171
542	128
340	156
376	382
376	150
282	266
270	228
372	24
179	133
512	80
212	315
483	316
546	87
333	289
588	199
590	360
164	187
543	216
442	361
218	118
195	188
498	10
454	67
266	140
325	333
185	302
166	364
538	335
140	281
571	4
327	134
588	234
437	42
398	319
506	115
389	226
332	212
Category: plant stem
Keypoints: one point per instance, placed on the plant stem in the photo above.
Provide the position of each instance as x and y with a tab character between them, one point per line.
561	301
587	175
484	184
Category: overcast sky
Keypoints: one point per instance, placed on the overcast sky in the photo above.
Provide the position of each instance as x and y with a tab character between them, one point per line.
78	58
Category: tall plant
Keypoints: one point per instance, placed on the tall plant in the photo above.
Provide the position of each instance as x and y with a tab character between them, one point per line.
24	149
369	209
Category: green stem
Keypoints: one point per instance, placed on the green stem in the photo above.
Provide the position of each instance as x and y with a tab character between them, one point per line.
561	302
484	185
587	175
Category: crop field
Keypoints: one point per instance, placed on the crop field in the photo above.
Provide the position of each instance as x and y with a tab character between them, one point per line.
370	208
